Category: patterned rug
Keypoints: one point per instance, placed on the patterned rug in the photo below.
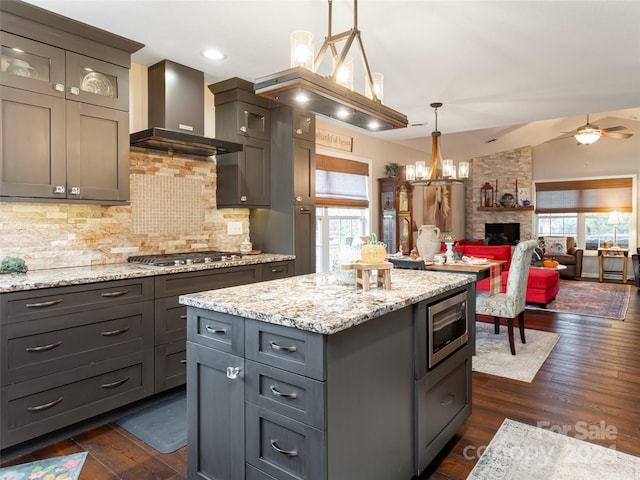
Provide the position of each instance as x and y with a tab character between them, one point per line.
525	452
593	299
493	355
56	468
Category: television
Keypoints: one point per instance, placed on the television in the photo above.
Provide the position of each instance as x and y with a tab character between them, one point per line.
502	233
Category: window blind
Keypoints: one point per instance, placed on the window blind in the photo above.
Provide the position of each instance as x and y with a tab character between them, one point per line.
579	196
341	182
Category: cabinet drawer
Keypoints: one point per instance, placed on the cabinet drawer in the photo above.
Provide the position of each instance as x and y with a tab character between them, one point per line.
182	283
294	350
252	473
216	330
170	365
439	405
171	320
31	304
272	271
298	397
45	404
34	348
282	447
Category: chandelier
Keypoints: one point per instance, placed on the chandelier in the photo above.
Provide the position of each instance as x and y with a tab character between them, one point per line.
332	96
439	171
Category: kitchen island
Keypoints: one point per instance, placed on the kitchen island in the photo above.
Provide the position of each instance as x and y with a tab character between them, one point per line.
305	378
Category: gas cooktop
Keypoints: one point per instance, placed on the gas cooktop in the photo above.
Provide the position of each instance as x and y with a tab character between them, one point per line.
186	258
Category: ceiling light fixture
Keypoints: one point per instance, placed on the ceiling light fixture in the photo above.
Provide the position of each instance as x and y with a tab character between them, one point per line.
588	135
213	54
333	95
419	174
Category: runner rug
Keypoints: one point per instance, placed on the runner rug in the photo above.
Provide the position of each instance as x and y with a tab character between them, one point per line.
56	468
593	299
519	451
493	355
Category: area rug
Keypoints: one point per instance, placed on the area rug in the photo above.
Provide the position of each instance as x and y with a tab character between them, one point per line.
593	299
162	426
525	452
493	355
56	468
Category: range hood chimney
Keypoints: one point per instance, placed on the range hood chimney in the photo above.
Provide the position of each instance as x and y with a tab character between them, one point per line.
176	114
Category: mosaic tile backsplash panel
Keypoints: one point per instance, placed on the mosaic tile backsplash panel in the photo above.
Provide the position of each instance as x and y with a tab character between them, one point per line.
48	235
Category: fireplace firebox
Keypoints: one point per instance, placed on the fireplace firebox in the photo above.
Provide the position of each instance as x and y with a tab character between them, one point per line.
502	233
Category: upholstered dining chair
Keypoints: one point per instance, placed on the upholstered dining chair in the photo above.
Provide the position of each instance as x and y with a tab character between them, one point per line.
510	304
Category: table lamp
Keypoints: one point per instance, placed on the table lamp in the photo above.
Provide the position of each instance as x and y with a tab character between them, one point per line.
615	219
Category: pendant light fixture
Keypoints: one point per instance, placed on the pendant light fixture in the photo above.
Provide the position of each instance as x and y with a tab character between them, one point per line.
439	171
332	96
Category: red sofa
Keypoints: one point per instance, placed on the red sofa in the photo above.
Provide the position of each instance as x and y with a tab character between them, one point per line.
542	285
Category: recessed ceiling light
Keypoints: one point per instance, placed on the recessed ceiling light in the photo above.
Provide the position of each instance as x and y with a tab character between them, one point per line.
213	54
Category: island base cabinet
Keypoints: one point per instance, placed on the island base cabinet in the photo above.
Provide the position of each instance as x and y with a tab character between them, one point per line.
215	414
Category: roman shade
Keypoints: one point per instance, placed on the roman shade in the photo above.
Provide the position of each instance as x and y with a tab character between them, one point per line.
579	196
341	182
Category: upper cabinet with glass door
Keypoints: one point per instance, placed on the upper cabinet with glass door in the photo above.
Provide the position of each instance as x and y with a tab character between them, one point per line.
38	67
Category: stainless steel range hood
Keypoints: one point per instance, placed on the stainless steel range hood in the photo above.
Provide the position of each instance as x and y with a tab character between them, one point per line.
176	114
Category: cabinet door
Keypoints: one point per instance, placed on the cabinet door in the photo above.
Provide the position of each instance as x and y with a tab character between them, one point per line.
32	157
304	125
244	178
32	65
253	121
215	414
304	172
305	239
97	153
97	82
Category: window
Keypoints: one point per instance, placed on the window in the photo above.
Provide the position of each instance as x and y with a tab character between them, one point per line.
581	208
335	227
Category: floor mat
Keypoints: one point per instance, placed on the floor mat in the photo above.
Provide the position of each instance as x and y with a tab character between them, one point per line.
162	426
67	468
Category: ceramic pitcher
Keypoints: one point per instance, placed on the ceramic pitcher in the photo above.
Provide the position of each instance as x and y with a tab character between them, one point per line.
428	241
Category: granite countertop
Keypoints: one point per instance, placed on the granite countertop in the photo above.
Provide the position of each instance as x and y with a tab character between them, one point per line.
60	277
317	303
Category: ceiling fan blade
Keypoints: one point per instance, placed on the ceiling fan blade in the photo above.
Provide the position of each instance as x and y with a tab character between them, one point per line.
616	134
613	129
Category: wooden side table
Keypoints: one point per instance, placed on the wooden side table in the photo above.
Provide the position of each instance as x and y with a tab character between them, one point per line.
613	253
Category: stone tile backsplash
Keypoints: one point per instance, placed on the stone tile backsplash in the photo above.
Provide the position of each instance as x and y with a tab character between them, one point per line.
173	209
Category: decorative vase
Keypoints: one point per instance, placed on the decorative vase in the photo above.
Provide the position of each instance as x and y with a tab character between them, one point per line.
428	241
508	200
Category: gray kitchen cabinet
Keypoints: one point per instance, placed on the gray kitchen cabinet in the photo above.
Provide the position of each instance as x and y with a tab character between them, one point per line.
311	406
242	117
289	225
65	95
71	353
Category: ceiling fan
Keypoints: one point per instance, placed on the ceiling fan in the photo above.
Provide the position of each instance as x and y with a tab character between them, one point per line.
588	133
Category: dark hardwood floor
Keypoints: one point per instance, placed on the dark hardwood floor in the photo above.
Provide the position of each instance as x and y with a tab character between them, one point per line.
592	376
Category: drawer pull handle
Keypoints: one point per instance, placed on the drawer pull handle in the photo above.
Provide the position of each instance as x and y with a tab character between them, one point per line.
114	294
275	346
113	333
277	270
183	317
44	348
221	331
183	361
44	304
449	401
233	372
275	391
115	384
288	453
45	406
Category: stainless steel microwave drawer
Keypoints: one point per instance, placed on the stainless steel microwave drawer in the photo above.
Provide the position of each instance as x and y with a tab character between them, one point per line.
42	405
297	351
216	330
44	346
32	304
282	447
298	397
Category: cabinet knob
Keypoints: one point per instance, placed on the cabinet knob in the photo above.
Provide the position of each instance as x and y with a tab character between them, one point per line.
59	189
243	198
233	372
74	191
74	91
58	87
298	199
299	131
243	129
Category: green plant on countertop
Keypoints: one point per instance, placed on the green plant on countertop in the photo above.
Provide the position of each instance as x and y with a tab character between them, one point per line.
374	251
12	265
391	169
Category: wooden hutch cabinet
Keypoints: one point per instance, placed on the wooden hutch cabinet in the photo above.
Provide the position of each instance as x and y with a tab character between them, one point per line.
396	214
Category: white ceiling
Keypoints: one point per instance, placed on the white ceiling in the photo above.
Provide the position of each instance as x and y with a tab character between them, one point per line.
494	64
